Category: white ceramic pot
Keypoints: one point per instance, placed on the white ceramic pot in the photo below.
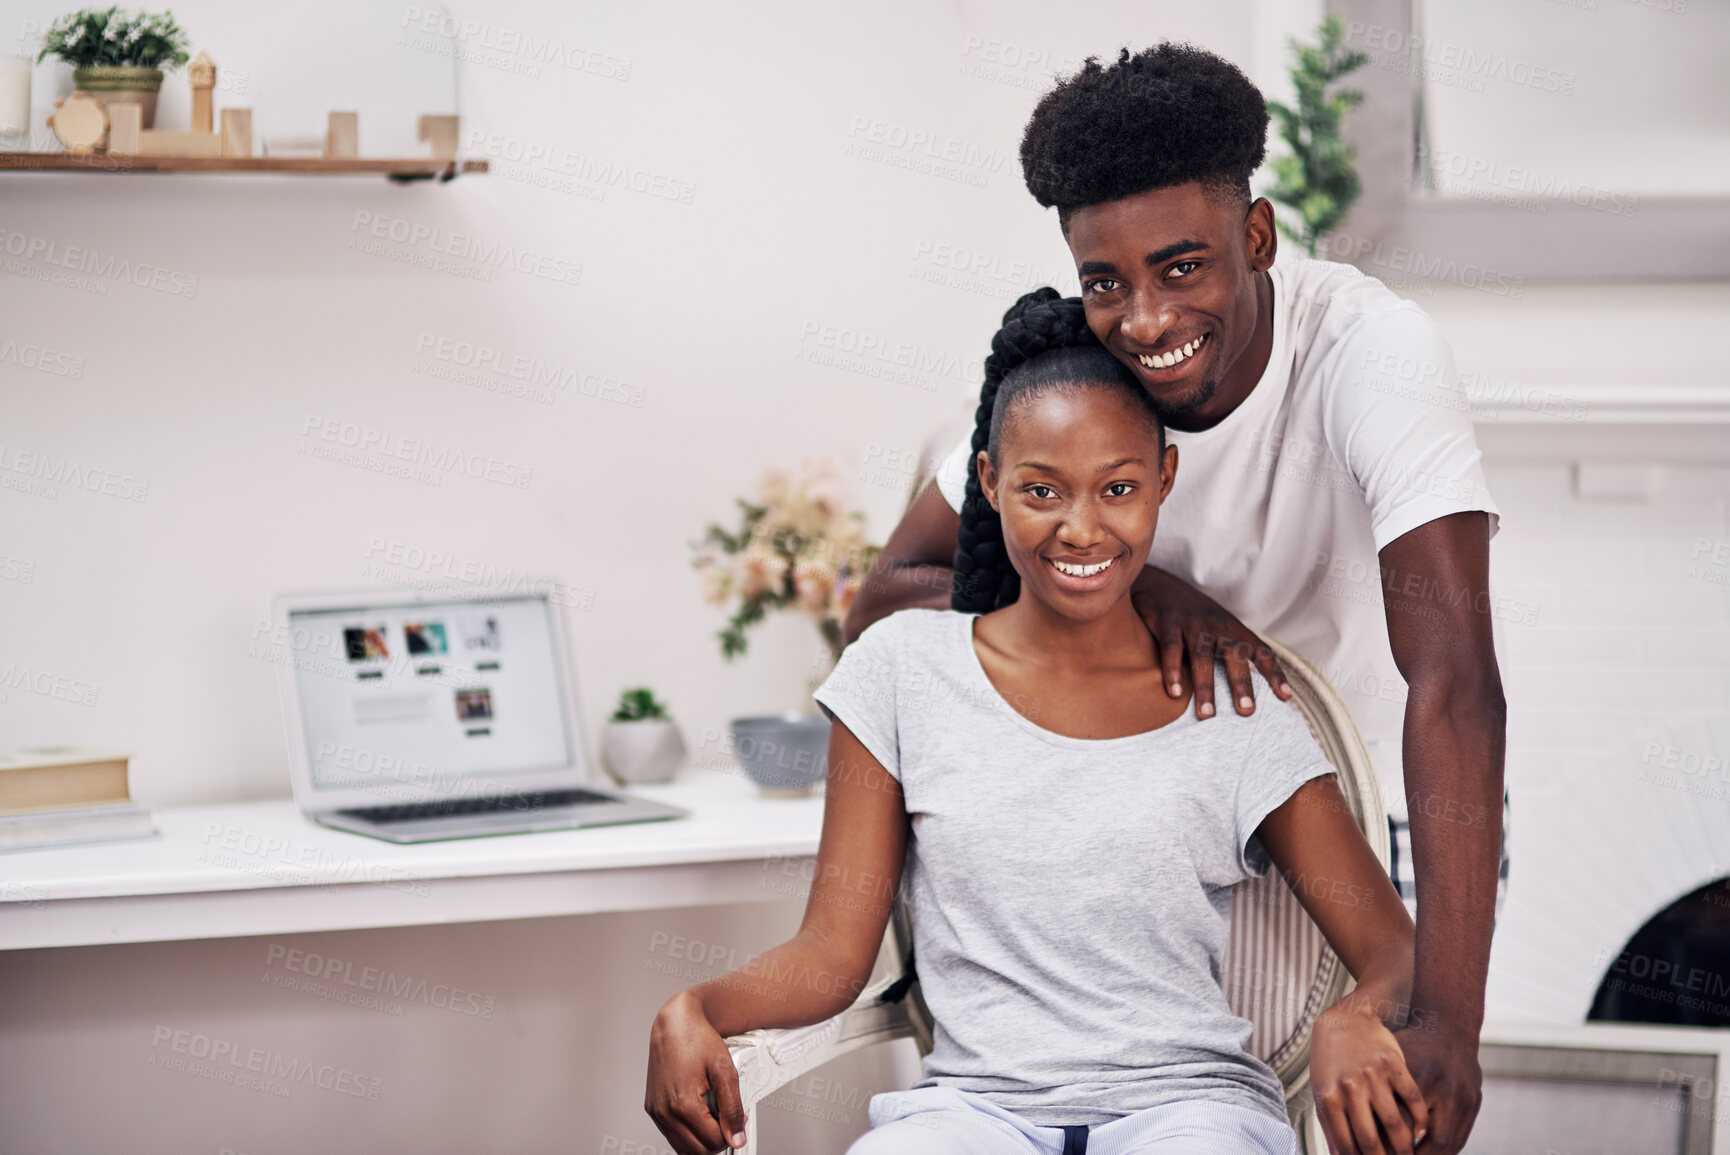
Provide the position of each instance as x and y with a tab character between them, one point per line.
647	751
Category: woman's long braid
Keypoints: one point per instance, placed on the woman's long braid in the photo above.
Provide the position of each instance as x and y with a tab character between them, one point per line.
1039	321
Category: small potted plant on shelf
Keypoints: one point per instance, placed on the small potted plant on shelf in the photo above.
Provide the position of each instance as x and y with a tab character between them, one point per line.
118	56
640	742
799	547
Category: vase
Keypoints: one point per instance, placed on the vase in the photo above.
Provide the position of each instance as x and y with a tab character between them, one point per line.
639	752
15	73
784	754
122	84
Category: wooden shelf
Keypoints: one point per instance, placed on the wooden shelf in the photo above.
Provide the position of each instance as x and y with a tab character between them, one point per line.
404	169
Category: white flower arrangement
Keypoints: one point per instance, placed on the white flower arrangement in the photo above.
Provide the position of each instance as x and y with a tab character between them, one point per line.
94	37
798	545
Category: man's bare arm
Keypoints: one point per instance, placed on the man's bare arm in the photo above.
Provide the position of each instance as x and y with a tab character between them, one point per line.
916	567
1435	586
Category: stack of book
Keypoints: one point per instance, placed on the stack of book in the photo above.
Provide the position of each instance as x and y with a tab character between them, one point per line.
58	796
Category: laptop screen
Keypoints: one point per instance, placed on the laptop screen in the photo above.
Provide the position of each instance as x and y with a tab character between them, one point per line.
436	696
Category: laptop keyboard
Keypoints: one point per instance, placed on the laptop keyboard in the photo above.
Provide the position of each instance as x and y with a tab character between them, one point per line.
451	807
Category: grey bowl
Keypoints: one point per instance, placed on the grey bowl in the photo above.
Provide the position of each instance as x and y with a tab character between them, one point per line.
784	752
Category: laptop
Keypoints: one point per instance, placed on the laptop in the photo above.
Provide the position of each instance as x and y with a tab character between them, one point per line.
416	717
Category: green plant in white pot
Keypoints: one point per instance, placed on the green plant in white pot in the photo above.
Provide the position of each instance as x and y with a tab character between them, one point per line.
640	742
118	56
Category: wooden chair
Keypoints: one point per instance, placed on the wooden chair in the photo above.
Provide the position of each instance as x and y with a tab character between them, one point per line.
1279	971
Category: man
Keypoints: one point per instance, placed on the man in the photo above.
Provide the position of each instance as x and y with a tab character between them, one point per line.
1329	492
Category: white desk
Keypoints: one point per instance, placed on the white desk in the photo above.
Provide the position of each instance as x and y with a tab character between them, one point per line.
260	868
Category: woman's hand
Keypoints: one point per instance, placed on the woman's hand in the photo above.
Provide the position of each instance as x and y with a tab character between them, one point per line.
1360	1080
1445	1066
1186	621
687	1060
858	874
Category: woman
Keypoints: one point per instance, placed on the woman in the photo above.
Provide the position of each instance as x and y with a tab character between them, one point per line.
1070	835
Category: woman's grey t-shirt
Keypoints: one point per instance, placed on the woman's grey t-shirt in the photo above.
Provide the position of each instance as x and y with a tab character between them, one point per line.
1070	897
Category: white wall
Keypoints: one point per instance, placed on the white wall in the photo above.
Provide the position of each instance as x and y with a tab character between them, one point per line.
701	307
1621	674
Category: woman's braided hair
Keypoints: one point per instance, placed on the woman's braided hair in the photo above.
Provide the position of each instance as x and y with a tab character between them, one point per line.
1044	342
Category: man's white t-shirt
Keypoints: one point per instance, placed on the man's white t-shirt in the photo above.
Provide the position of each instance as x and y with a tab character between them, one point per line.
1358	432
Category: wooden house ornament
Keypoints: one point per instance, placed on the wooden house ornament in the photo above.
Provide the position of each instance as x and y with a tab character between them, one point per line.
201	75
235	139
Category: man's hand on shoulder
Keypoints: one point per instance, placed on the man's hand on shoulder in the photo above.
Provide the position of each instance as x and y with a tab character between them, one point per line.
1190	629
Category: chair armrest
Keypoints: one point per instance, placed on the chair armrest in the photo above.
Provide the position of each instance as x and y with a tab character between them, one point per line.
768	1060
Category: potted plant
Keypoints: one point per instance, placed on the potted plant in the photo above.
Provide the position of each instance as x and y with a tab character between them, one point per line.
797	547
118	56
1318	180
640	742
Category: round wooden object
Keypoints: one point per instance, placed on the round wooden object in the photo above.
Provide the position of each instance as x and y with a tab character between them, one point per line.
80	121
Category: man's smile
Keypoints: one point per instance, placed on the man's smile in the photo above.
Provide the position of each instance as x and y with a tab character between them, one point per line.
1172	357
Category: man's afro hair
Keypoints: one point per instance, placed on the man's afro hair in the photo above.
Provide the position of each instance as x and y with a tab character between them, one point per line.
1168	115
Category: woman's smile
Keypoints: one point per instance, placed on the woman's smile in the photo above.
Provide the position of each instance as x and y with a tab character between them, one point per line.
1079	577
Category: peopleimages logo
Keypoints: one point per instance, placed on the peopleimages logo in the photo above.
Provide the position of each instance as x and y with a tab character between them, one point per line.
86	260
472	35
41	359
228	1061
374	980
1472	169
867	348
923	151
419	451
935	146
582	166
976	271
62	687
444	571
535	374
436	248
1463	60
1399	259
51	471
302	864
